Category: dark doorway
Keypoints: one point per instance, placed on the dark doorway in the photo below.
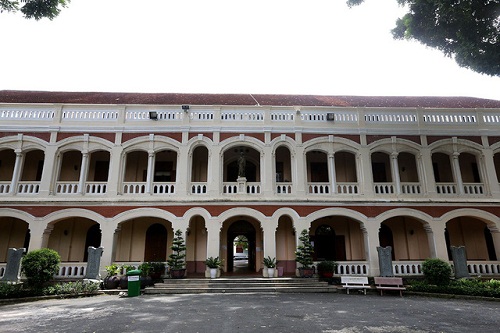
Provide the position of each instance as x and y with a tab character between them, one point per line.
324	243
101	171
492	255
93	239
156	243
246	229
385	238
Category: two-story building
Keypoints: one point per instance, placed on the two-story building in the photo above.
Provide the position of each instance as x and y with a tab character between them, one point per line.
125	170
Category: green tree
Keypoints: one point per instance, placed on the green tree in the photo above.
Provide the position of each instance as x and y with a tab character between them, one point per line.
178	255
304	253
39	266
36	9
467	30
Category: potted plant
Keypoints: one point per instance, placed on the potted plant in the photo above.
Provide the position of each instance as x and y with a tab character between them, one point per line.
157	269
270	263
304	255
176	263
112	280
213	264
326	268
145	278
124	278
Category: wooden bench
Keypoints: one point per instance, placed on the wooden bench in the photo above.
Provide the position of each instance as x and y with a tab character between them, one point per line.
389	283
354	282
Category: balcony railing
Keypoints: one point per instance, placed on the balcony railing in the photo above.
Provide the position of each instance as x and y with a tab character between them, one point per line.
164	188
474	189
25	187
319	188
347	188
284	188
71	270
407	268
446	188
95	187
134	187
352	268
483	267
411	188
384	188
5	187
248	188
67	187
198	188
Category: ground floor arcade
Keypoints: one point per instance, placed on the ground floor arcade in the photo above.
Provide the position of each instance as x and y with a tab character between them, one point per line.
350	236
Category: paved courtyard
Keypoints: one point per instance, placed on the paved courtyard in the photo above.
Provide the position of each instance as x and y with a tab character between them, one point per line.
327	313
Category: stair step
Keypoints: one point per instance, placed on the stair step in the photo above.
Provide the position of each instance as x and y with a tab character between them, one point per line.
240	285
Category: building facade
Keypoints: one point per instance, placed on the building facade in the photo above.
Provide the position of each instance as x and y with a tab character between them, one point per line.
124	171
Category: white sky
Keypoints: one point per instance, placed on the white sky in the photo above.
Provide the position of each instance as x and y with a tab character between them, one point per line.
233	46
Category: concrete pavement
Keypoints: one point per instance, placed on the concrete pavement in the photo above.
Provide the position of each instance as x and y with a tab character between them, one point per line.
329	313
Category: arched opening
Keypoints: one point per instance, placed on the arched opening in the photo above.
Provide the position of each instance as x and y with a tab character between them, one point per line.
14	233
156	243
236	231
196	243
381	168
286	245
471	233
93	239
408	236
337	238
251	169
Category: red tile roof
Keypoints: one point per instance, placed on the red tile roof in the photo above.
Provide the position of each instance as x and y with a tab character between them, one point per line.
16	96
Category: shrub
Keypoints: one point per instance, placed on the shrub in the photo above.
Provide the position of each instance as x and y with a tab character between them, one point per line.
212	262
40	266
270	262
436	271
327	266
304	253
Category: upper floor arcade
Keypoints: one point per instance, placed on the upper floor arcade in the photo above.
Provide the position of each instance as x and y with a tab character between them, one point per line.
328	149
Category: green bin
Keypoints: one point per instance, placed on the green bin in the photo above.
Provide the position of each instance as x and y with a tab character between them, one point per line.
134	282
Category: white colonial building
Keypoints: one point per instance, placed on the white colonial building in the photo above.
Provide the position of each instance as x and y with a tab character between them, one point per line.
124	171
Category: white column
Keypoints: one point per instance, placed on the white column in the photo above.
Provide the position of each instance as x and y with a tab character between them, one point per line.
395	172
215	171
181	180
457	172
17	171
83	172
370	231
48	174
437	241
490	176
149	176
115	175
213	238
269	228
268	179
427	179
333	175
108	242
300	172
366	176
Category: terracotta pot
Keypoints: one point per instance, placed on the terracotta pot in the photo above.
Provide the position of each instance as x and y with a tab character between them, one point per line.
177	273
306	272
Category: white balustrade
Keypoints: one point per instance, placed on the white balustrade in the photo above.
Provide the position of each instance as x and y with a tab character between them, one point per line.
407	268
352	268
24	187
474	188
319	188
201	116
284	188
483	267
250	188
406	117
446	188
95	187
282	116
411	188
309	116
134	187
90	115
347	188
242	116
27	114
383	188
71	270
450	118
4	187
491	118
67	187
164	188
198	188
136	115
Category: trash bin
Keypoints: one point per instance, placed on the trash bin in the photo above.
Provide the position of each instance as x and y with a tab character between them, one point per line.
134	282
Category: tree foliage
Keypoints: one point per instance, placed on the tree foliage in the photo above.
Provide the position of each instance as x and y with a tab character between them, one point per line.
39	266
36	9
467	30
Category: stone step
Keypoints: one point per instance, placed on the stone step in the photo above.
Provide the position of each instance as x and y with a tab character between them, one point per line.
240	285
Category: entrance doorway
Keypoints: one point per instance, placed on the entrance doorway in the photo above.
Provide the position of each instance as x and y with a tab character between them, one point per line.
243	232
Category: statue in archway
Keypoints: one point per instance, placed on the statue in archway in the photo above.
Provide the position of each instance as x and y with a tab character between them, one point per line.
242	163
